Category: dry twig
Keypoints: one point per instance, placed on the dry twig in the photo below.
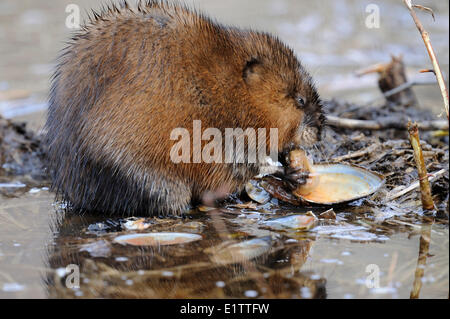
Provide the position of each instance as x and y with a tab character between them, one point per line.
402	87
425	190
427	41
381	124
368	150
431	177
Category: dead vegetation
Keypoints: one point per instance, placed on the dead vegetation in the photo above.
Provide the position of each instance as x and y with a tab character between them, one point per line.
21	156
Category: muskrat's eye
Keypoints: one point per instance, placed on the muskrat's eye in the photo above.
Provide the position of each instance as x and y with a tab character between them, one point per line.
300	101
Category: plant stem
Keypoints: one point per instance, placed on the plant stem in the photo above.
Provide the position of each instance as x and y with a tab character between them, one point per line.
425	190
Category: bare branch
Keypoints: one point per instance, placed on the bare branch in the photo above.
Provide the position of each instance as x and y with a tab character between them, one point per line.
431	53
431	178
418	6
382	124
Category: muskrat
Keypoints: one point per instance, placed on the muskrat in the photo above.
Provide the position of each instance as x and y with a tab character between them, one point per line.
132	75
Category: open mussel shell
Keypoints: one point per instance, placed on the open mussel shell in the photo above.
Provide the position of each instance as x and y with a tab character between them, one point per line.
157	239
340	183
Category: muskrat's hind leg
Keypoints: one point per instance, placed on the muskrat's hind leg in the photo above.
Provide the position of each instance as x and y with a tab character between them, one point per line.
168	198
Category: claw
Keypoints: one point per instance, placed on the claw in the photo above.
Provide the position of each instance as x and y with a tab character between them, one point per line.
294	177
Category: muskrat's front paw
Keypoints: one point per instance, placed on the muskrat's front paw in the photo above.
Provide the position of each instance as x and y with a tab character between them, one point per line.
293	178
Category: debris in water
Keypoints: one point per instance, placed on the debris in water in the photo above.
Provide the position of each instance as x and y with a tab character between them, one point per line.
231	252
136	224
97	249
333	229
100	228
328	214
350	232
205	209
298	222
197	226
249	205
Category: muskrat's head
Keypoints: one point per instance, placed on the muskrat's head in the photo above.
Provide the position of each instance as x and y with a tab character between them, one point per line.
277	82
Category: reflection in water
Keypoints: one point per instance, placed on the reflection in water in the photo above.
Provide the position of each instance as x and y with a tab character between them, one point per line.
39	240
111	270
424	247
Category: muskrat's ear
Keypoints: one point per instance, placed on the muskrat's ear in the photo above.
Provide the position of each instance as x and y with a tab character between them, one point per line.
252	70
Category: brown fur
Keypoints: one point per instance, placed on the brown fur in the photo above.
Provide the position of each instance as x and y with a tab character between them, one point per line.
132	75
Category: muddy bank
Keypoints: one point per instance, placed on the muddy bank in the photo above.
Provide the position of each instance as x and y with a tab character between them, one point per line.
21	158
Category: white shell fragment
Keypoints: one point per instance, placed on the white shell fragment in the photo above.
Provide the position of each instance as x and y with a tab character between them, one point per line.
157	239
298	222
136	224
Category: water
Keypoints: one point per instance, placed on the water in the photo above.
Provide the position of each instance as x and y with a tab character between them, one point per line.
38	240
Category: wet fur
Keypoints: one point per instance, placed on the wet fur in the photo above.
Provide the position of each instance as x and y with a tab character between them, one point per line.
130	76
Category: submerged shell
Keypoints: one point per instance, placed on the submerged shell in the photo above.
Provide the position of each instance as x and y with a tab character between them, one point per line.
300	222
256	192
339	183
230	253
155	239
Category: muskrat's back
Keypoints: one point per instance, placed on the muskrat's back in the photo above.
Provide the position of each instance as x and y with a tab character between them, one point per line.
130	77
